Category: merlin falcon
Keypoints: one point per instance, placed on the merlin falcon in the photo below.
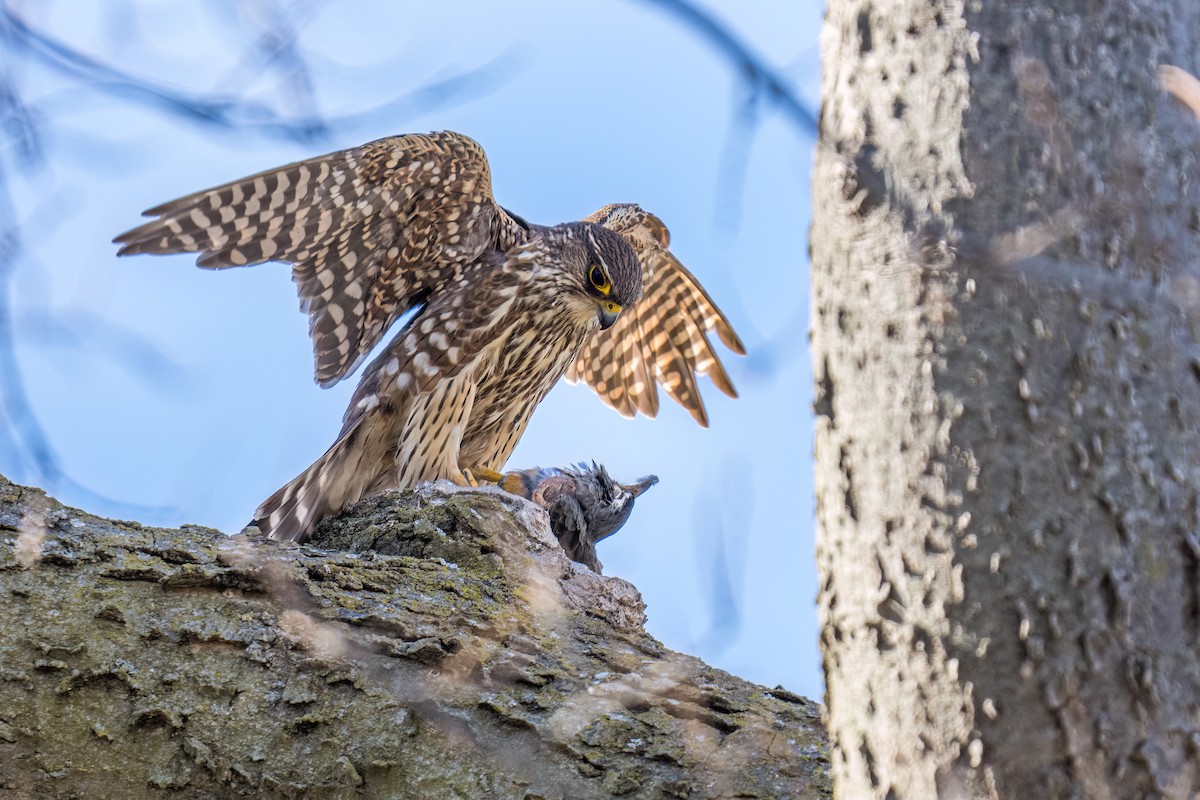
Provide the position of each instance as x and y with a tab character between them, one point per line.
503	309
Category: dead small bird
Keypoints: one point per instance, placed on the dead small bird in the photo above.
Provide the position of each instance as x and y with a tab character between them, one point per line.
585	504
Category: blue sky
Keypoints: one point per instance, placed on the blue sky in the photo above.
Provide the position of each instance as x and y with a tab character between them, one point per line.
585	104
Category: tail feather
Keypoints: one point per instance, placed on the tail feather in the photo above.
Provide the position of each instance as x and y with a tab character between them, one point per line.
333	482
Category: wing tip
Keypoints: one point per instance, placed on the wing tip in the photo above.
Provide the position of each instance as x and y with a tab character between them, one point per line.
730	338
650	410
727	388
327	374
331	371
134	237
138	246
266	518
162	209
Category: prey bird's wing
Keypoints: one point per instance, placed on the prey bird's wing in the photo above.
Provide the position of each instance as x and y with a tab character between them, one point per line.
663	339
370	232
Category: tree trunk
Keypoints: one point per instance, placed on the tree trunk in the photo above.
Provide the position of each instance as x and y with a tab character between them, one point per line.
1006	305
459	654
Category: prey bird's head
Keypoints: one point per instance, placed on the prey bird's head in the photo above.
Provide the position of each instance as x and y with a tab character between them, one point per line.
606	504
603	271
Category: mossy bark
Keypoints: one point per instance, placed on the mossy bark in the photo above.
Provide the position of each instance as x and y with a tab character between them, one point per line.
1006	309
458	653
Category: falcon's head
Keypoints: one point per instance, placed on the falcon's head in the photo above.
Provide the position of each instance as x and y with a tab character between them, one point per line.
603	273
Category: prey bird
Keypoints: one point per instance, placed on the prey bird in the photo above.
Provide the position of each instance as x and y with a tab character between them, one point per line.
584	503
504	308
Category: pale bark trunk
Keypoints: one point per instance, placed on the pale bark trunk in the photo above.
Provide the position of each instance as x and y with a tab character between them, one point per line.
462	656
1006	307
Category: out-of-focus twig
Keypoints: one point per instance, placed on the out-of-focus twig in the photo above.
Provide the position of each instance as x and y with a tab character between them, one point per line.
81	329
761	76
735	161
16	120
277	47
18	419
224	111
722	523
32	448
237	113
764	86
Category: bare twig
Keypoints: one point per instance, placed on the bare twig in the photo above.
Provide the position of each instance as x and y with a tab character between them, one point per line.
276	47
735	160
236	113
761	77
81	329
722	519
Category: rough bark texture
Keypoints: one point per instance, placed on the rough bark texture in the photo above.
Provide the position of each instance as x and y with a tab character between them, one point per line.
1006	305
460	654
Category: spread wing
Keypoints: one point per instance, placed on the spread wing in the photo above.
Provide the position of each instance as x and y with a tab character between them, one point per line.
370	232
663	339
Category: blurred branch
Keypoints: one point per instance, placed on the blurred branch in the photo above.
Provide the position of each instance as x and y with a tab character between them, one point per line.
231	112
277	47
81	329
23	434
722	522
764	85
735	161
32	448
20	423
766	360
762	78
222	111
16	119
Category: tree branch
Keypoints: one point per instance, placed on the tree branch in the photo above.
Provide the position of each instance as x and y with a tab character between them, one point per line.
463	655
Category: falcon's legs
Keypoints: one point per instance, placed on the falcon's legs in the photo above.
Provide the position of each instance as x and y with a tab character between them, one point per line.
485	474
473	477
464	479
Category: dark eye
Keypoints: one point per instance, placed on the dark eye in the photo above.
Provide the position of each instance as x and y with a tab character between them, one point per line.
599	279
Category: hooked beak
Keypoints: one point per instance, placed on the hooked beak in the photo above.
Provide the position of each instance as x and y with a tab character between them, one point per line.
637	488
607	311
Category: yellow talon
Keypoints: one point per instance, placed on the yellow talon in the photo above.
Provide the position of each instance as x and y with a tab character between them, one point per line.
473	477
463	478
485	474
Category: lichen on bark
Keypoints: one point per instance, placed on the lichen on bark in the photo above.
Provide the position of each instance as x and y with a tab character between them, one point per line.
442	646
